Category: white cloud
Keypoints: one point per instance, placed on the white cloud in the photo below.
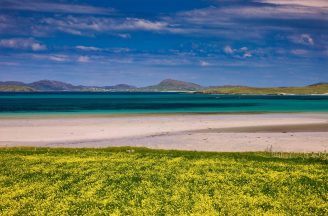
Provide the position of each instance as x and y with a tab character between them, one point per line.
233	16
204	63
119	50
22	43
247	54
88	48
58	58
50	57
42	6
237	21
9	63
142	24
83	59
305	3
108	50
276	12
242	52
228	50
125	36
244	20
85	25
305	39
299	52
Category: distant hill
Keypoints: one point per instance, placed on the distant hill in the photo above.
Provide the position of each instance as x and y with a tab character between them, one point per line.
173	85
120	87
319	84
51	85
164	86
15	88
313	89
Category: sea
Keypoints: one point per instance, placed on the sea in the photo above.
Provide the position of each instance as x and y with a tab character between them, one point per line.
112	103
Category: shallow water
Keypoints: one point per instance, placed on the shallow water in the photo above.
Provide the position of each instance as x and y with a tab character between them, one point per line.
140	103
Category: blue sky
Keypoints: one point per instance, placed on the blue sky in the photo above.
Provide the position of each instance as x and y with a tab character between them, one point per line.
210	42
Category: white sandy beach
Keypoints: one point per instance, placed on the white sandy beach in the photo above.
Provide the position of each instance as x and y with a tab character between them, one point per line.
232	133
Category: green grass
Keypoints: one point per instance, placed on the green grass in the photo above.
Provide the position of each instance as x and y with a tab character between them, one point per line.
316	89
138	181
13	88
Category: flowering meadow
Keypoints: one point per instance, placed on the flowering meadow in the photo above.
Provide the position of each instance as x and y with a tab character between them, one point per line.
138	181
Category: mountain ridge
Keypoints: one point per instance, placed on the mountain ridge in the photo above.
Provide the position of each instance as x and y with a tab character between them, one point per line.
52	85
173	85
166	85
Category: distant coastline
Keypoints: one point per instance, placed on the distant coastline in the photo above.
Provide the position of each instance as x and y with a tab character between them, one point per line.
167	85
315	89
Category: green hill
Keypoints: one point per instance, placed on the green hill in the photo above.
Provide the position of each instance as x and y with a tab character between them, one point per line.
14	88
172	85
313	89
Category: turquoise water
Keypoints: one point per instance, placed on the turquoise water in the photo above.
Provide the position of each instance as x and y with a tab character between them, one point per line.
12	104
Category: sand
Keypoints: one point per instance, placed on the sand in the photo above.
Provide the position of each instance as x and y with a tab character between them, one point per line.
228	133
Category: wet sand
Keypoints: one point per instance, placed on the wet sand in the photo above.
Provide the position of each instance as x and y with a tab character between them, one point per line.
229	132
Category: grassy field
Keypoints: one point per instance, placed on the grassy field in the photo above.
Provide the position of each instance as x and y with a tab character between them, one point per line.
137	181
11	88
315	89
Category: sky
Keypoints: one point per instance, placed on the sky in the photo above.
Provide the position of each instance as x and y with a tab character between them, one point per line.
209	42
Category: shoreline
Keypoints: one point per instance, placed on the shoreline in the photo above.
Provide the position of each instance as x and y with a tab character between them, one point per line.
122	115
187	92
297	132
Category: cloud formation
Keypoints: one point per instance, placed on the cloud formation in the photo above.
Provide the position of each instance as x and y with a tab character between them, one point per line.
299	52
242	52
304	3
23	44
83	59
45	6
228	50
231	15
252	21
304	39
85	25
230	21
88	48
204	63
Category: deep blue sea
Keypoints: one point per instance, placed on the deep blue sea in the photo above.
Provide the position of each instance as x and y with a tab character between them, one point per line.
12	104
